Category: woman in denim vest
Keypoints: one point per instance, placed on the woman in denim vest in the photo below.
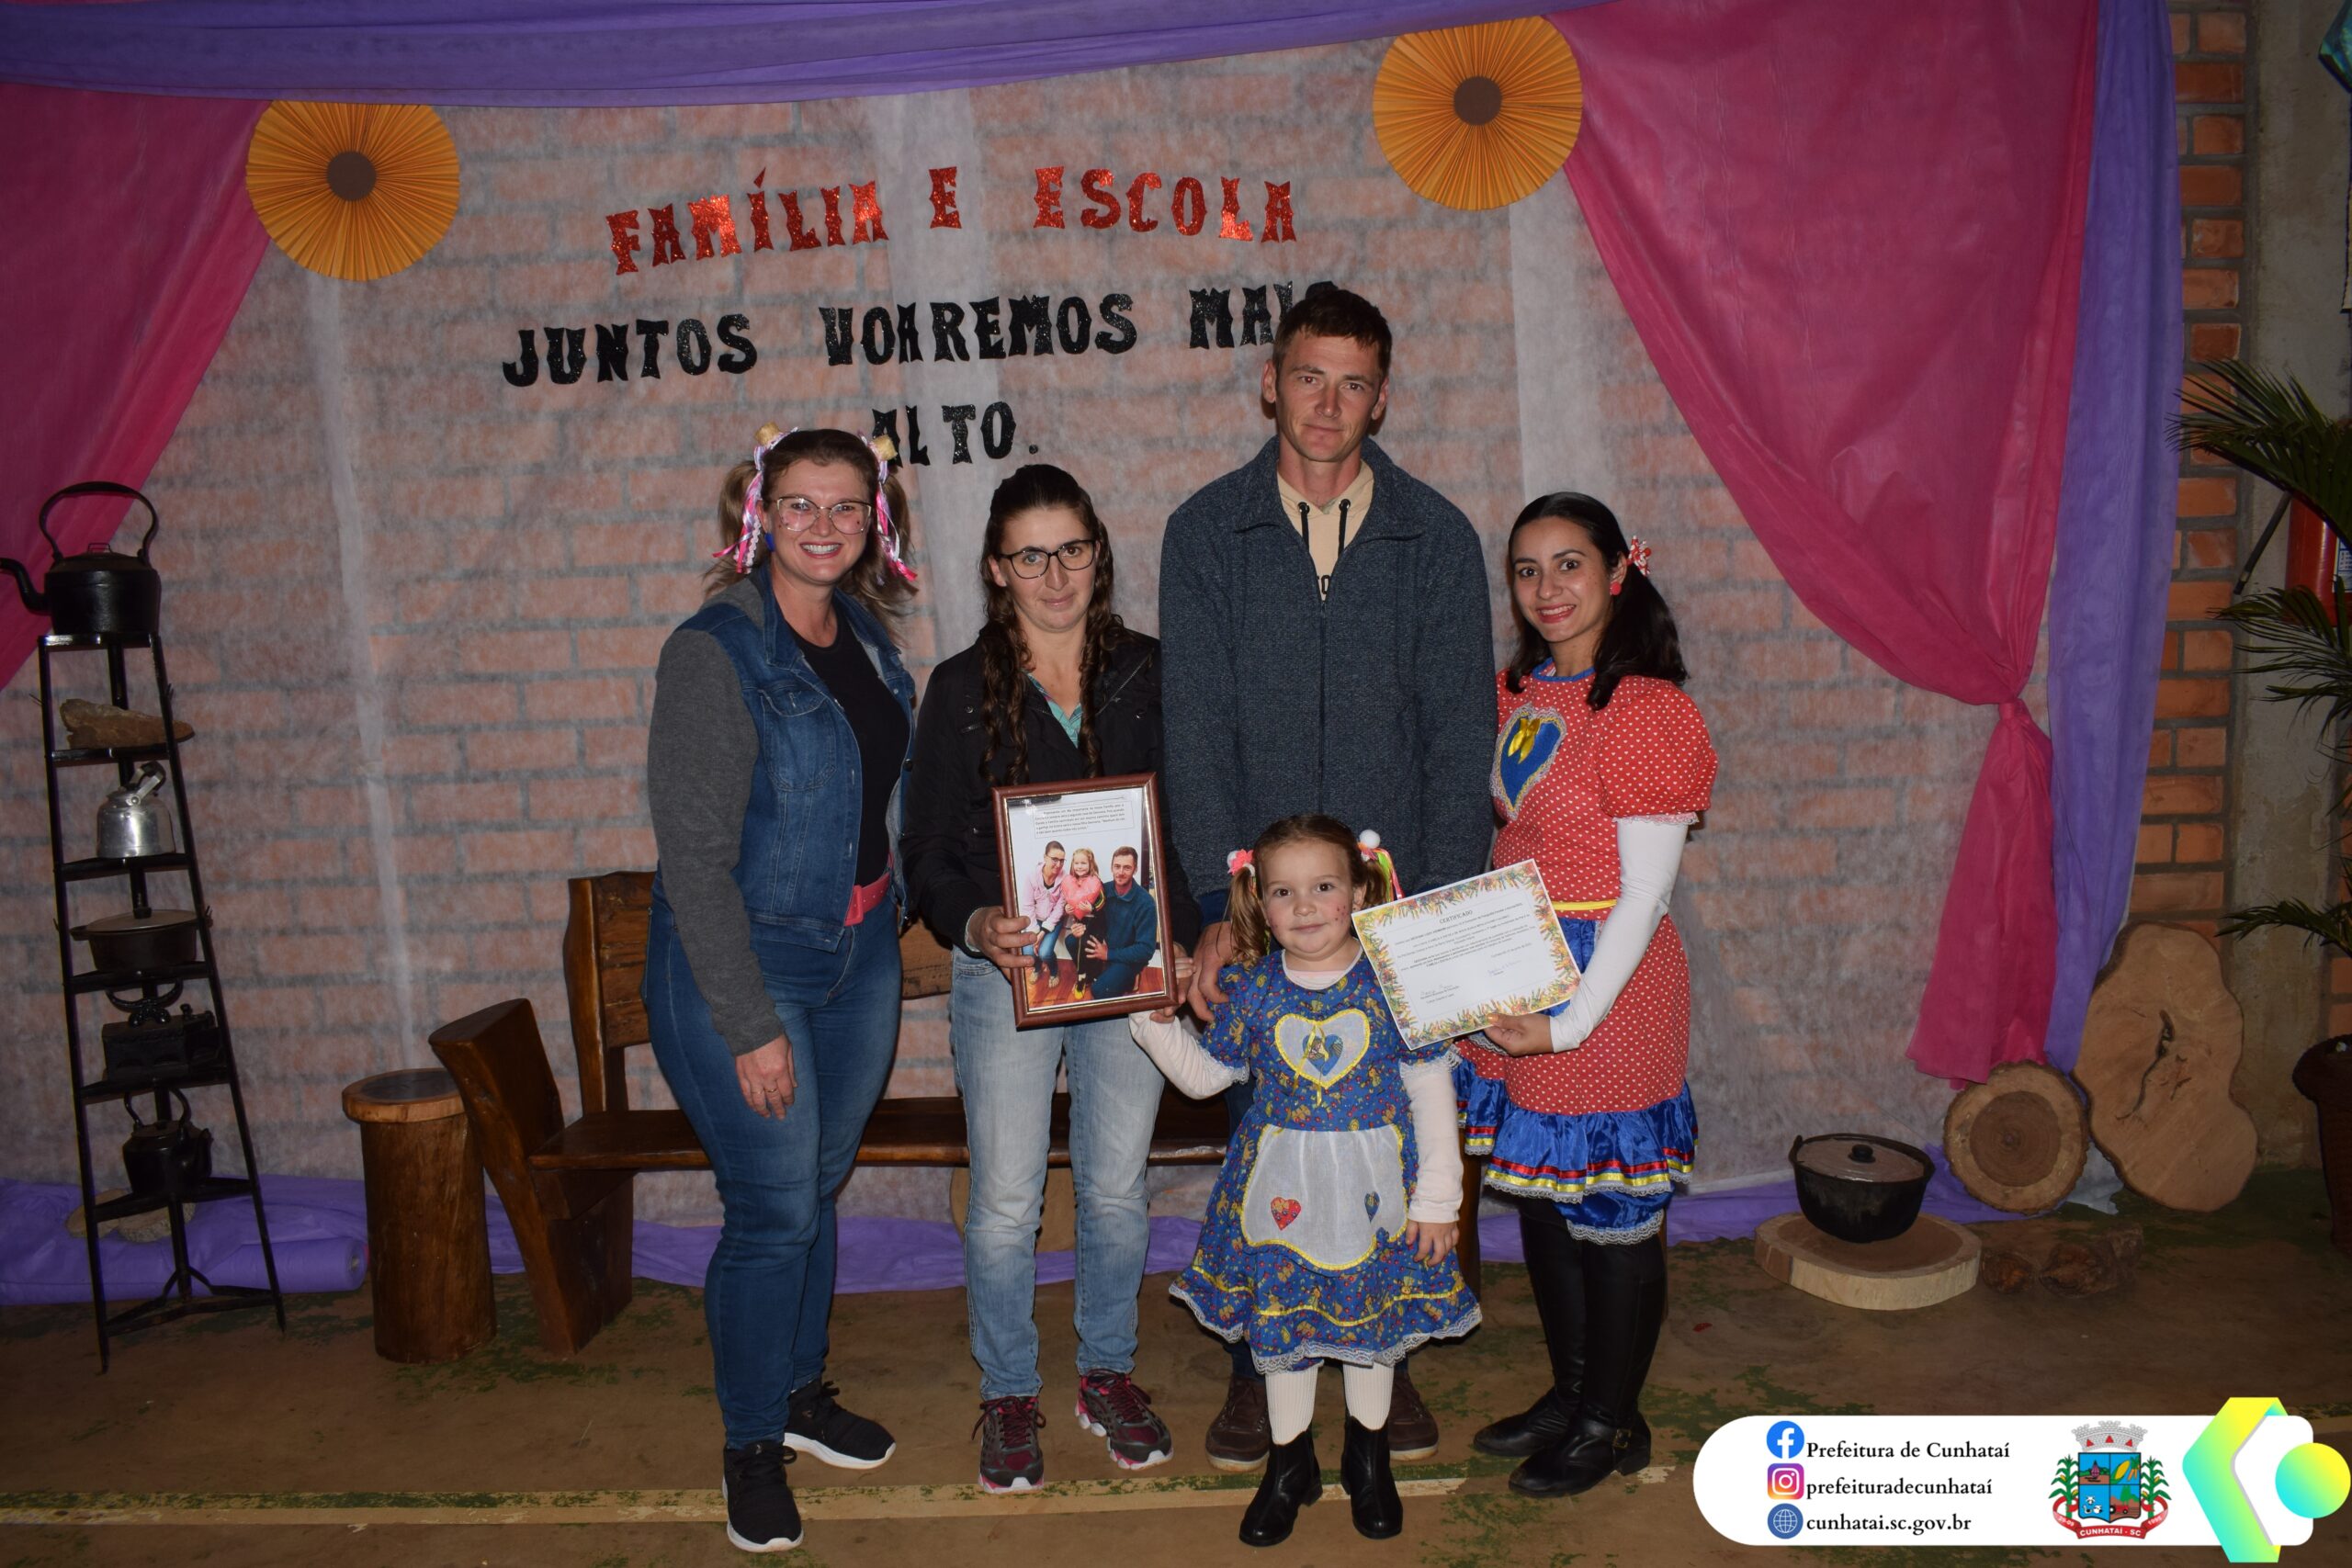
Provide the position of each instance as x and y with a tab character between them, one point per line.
1056	688
780	722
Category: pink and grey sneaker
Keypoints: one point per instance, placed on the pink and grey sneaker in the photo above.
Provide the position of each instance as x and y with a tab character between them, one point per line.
1012	1459
1111	1407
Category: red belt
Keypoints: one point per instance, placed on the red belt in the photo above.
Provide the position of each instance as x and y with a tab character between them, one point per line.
864	900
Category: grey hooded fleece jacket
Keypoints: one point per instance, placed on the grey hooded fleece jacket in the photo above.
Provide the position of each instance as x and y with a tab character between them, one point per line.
1376	705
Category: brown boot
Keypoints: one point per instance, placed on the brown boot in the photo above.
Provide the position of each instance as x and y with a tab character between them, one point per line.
1412	1431
1240	1438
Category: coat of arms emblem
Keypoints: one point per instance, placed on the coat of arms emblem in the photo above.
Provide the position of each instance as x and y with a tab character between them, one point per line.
2107	1486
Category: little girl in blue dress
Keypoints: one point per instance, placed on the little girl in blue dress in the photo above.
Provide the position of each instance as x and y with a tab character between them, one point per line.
1330	1234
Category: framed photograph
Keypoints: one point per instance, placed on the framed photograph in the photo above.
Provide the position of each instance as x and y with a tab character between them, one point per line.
1083	862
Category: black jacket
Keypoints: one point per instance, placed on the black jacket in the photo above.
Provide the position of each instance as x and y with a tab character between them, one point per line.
949	840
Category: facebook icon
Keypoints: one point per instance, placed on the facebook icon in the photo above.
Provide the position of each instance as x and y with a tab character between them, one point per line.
1786	1440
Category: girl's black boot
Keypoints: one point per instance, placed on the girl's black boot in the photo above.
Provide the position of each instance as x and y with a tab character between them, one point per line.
1293	1481
1555	1271
1372	1502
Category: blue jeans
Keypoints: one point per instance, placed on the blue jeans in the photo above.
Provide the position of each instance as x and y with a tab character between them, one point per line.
769	1289
1006	1077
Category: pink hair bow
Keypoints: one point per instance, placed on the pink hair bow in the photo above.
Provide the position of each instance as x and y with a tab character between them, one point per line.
1638	552
1238	861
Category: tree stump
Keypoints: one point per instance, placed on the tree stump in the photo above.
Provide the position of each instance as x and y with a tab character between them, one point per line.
428	1243
2017	1140
2159	1049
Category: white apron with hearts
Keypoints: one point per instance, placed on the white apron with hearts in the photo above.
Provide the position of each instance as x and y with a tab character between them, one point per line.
1330	1197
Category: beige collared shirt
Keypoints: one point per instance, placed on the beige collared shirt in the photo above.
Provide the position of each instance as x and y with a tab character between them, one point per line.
1327	528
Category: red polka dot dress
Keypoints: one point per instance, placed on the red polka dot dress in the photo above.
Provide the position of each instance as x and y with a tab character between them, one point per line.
1603	1129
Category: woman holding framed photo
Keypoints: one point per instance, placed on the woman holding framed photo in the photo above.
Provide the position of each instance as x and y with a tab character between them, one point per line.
1054	689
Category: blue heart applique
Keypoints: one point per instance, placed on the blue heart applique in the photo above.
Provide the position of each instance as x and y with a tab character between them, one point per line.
1525	750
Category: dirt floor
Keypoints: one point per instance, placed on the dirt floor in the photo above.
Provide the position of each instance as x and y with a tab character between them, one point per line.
213	1441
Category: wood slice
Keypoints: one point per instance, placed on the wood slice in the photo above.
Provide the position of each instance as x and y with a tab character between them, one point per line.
1933	1261
2017	1140
2160	1047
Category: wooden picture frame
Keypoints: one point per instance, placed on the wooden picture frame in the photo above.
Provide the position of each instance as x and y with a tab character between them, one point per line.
1098	823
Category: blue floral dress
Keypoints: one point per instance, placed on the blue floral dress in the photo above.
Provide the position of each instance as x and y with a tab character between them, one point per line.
1303	1253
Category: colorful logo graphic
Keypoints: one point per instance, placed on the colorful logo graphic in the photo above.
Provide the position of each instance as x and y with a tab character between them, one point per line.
1786	1440
1784	1521
2107	1487
2310	1478
1784	1482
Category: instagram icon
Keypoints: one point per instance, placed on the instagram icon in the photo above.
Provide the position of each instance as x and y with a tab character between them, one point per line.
1784	1482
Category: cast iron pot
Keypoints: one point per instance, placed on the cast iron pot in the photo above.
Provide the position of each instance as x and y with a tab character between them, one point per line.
1858	1188
99	593
158	940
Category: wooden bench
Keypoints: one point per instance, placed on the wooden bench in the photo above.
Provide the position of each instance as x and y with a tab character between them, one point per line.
567	1187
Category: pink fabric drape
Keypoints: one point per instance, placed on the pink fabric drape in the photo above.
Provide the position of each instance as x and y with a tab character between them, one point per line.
1849	235
150	247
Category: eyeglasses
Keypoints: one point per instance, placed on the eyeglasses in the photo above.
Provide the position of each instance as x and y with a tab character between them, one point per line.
1075	556
798	514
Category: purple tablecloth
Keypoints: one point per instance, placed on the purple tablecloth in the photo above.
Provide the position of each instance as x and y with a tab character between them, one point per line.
320	1229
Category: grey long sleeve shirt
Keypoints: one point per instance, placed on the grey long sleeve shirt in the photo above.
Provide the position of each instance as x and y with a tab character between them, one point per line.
700	757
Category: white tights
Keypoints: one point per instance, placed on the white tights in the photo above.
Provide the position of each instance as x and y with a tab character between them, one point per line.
1290	1398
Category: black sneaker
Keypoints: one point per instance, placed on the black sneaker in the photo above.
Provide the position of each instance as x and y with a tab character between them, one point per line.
761	1514
818	1424
1012	1459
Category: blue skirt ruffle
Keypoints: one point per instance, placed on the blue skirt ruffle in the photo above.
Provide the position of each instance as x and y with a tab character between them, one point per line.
1610	1172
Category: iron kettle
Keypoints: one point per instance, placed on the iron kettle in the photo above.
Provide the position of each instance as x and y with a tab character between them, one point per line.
98	592
168	1155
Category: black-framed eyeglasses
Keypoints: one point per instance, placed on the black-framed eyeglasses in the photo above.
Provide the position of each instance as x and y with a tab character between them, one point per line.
798	514
1075	556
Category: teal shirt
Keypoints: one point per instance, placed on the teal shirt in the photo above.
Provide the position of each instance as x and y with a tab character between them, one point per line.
1068	721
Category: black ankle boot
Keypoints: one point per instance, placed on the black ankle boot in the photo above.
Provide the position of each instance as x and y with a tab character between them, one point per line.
1538	1427
1372	1502
1595	1448
1293	1481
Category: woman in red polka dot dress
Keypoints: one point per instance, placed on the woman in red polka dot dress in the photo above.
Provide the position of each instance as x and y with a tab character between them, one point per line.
1601	766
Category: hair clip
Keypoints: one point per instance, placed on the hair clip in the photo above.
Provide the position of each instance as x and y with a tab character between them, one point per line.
745	550
885	452
1638	552
1238	861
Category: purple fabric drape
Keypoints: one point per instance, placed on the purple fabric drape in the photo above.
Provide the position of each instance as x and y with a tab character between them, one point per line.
639	51
2115	513
144	248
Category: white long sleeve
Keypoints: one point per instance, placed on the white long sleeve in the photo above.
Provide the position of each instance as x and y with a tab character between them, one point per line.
1436	1134
1650	854
1175	1049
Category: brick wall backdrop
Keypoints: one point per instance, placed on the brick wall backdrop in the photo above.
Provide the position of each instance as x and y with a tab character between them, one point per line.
2184	830
414	615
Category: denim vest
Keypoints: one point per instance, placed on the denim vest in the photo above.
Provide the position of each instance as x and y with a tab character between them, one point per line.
799	847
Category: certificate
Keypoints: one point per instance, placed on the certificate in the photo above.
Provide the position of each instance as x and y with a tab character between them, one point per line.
1457	957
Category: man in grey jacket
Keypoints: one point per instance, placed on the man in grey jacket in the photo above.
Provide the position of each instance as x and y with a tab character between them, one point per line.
1326	647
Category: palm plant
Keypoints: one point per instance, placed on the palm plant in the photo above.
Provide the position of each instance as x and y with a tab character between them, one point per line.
2272	428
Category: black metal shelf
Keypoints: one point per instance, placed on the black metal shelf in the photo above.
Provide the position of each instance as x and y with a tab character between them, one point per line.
203	1192
90	980
92	756
97	642
154	1081
97	866
178	1297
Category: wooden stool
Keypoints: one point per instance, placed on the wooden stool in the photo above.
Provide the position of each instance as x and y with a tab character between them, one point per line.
428	1239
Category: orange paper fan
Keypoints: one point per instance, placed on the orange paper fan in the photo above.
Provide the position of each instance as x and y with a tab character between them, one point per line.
353	190
1478	117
